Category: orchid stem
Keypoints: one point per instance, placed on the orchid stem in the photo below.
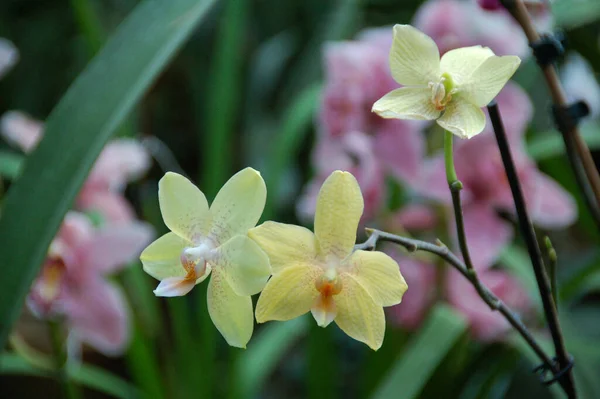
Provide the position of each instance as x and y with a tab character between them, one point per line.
552	263
495	303
577	151
455	186
533	248
69	390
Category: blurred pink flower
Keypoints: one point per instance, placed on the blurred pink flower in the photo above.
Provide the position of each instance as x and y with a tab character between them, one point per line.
486	190
421	278
73	282
539	10
121	161
357	74
413	217
486	324
462	23
352	152
9	56
20	130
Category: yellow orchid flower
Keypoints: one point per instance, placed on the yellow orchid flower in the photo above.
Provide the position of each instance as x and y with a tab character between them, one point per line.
320	272
455	86
204	240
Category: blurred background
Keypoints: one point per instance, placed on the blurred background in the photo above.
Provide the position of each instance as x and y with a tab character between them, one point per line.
286	87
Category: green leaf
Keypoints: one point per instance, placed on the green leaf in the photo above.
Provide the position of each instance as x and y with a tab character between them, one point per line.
425	352
294	129
549	144
11	164
76	132
84	374
265	352
570	14
224	97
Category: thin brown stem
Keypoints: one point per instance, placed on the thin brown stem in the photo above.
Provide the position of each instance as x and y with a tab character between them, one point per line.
535	254
495	303
578	152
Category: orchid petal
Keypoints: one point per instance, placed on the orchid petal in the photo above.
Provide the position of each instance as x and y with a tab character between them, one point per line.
414	57
238	205
407	103
183	206
113	246
460	63
339	208
175	286
285	244
231	313
244	264
162	258
358	315
97	315
324	310
380	275
289	293
488	79
462	118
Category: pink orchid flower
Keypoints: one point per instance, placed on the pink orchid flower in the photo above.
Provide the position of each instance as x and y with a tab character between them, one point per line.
485	325
354	153
462	23
486	189
121	161
73	284
421	278
357	74
9	56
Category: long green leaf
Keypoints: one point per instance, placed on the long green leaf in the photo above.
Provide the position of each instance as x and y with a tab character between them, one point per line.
224	97
427	350
76	131
84	374
264	353
294	129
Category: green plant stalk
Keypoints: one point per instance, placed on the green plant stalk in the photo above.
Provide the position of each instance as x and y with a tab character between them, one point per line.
69	390
142	363
89	25
321	363
455	186
206	347
451	176
83	121
223	97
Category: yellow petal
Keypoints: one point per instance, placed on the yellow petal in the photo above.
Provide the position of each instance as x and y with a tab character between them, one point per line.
285	244
244	265
162	258
238	205
183	206
358	315
231	313
462	118
414	57
460	63
339	208
407	103
288	294
379	275
487	80
324	310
